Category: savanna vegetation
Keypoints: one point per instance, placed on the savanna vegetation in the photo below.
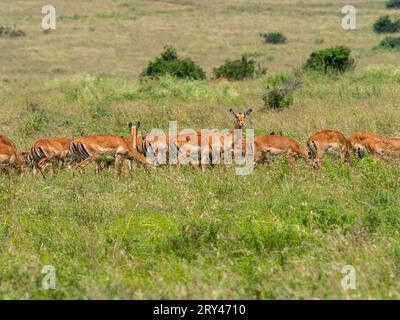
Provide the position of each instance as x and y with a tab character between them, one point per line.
285	231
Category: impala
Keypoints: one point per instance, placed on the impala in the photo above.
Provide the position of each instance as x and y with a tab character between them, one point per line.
191	144
45	152
7	141
26	158
327	141
377	146
9	158
271	145
221	142
91	148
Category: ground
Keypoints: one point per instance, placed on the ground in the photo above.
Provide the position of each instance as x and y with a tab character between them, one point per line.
282	232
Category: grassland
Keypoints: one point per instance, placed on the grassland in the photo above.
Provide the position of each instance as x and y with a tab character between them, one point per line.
282	232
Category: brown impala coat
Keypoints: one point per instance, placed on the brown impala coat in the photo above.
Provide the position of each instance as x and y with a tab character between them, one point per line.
9	158
46	151
378	146
91	148
267	145
328	141
7	141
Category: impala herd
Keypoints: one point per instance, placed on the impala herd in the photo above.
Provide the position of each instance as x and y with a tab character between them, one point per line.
117	151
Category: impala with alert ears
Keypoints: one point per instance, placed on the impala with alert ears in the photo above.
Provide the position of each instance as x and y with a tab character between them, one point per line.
220	142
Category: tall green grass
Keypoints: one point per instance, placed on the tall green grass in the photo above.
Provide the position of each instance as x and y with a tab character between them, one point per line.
282	232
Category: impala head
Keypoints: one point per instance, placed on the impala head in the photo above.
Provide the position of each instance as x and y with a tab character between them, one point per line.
19	163
356	146
26	159
240	118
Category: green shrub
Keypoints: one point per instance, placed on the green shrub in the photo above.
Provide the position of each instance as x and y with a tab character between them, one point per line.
392	4
336	59
386	25
279	92
237	69
390	43
169	63
273	37
34	119
11	32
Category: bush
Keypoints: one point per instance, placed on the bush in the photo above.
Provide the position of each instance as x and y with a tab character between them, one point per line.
11	32
390	43
169	63
273	37
237	69
34	119
392	4
385	25
336	59
279	92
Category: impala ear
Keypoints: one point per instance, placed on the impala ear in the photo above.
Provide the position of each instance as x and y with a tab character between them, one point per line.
248	112
233	113
130	125
138	125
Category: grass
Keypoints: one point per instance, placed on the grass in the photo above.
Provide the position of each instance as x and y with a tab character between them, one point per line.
283	232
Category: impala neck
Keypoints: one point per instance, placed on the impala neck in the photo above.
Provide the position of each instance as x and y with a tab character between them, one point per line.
234	139
133	137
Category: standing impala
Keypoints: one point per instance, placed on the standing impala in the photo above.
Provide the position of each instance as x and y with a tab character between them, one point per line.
47	151
192	144
328	141
91	148
216	142
232	140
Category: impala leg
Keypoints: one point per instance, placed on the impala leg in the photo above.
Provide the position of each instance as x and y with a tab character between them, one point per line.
35	169
127	166
100	166
82	165
346	156
258	155
317	161
51	168
42	166
117	166
291	158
